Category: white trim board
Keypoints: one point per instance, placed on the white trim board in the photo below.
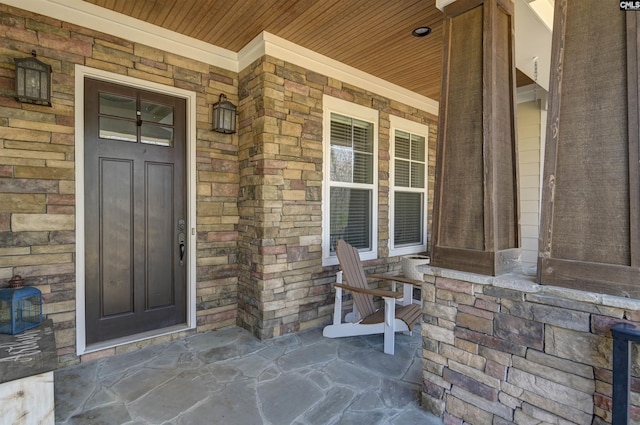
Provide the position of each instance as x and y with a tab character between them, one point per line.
269	44
348	109
81	72
104	20
100	19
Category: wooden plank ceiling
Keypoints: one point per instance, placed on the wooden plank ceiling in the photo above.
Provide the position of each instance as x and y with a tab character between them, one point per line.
371	35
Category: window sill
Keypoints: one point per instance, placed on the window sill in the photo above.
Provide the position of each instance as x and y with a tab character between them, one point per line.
364	256
408	250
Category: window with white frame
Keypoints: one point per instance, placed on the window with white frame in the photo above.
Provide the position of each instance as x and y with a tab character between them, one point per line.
408	195
350	201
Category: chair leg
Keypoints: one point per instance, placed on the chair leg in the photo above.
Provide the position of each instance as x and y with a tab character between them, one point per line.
389	325
337	307
407	294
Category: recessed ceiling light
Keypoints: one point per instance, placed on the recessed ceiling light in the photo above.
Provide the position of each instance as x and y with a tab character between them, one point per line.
421	31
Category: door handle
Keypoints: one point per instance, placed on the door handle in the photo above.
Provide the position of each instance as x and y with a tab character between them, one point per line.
182	248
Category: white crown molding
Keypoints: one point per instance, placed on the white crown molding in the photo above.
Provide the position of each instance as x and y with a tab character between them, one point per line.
532	50
272	45
441	4
100	19
253	50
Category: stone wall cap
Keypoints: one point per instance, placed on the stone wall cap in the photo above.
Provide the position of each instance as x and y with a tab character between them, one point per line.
455	274
517	281
525	282
620	302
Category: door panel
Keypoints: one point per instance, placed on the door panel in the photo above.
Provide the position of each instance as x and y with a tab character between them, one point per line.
116	243
134	201
160	228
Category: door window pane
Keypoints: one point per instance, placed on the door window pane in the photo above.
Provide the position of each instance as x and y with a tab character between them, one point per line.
117	117
120	119
118	106
118	129
156	113
156	135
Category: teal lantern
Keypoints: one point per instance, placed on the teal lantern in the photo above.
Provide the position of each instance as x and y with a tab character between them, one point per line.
20	307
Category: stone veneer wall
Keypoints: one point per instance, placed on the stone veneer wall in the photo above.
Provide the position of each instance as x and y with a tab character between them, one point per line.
37	160
258	192
283	286
504	350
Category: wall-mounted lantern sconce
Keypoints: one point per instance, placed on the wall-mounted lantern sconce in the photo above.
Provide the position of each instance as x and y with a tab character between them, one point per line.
224	116
33	81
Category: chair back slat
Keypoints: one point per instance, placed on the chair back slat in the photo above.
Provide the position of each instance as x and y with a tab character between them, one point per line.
351	266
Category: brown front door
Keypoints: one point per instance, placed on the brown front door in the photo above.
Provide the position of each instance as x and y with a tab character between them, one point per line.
135	213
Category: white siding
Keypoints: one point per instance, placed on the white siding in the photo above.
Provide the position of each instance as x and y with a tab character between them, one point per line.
529	141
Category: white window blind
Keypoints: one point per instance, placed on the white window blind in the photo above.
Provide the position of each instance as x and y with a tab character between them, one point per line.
408	218
351	217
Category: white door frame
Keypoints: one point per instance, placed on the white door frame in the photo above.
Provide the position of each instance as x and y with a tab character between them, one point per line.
82	72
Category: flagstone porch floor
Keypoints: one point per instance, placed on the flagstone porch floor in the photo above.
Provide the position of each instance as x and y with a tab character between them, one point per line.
229	377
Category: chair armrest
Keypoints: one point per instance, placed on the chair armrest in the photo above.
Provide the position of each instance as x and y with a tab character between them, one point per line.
376	292
400	279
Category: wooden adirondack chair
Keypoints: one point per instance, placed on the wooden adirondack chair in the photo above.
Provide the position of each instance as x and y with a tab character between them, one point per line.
387	320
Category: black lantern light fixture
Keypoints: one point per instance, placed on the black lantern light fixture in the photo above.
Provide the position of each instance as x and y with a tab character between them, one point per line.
33	81
224	116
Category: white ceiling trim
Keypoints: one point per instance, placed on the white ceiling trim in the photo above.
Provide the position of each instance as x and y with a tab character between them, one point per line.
272	45
100	19
532	43
441	4
90	16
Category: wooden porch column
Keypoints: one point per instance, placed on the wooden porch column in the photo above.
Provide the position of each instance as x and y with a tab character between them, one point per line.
475	225
589	232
